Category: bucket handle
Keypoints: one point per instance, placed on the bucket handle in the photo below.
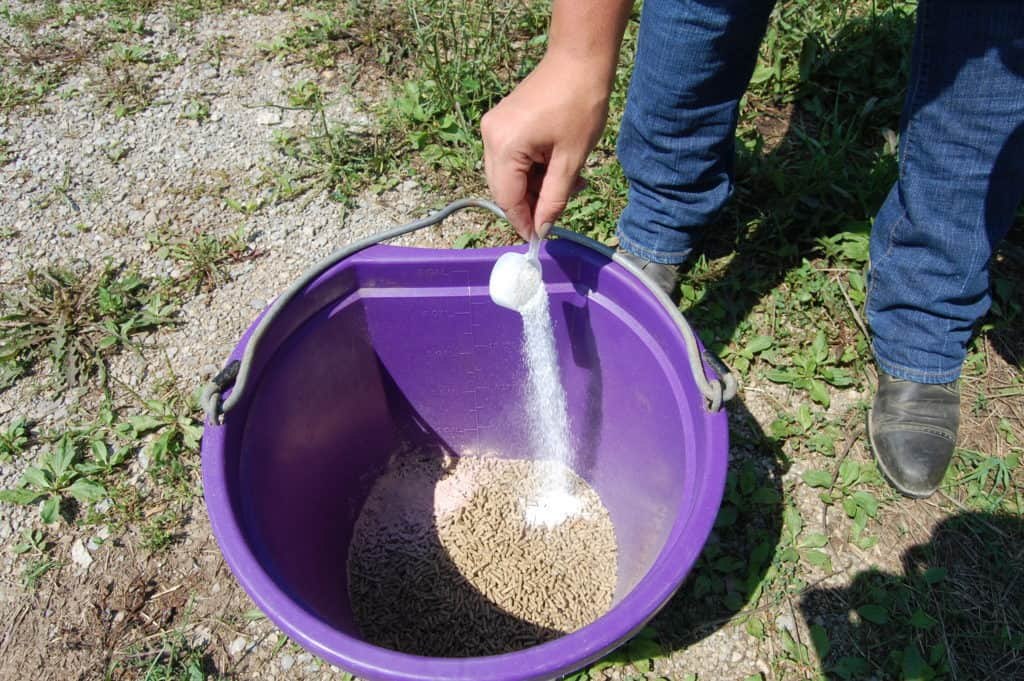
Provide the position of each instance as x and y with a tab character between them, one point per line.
716	389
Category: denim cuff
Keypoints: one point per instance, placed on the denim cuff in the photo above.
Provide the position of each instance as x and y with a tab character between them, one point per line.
654	255
915	375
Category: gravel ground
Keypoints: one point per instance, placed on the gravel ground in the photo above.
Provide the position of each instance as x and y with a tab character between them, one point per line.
68	201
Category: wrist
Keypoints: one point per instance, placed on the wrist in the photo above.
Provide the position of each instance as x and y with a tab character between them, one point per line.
578	70
583	67
587	35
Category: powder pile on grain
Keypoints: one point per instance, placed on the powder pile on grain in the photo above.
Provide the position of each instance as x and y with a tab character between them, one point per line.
443	562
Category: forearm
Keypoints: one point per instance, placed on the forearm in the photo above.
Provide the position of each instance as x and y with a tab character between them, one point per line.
589	32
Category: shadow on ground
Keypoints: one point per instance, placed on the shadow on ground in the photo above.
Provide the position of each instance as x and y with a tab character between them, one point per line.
956	611
740	549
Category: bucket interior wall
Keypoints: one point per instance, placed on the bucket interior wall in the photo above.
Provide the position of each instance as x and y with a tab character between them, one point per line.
420	353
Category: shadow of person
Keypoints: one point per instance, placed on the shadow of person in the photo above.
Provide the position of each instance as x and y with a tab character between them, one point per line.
956	611
1005	321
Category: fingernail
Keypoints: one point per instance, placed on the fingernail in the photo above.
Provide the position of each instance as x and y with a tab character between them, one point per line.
544	229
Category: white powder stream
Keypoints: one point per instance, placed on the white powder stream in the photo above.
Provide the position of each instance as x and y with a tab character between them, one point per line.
521	288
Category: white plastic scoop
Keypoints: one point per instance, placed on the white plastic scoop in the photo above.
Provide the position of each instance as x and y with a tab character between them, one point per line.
516	277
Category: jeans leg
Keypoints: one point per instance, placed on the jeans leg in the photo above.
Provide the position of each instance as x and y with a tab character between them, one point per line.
961	178
676	145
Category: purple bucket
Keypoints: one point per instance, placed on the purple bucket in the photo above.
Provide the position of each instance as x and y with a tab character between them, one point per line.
394	345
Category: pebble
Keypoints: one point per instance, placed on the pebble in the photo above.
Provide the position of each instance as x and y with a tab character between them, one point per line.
287	661
237	646
786	622
201	636
80	555
95	542
267	117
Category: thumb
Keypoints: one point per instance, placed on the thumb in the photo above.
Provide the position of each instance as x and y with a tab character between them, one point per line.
558	184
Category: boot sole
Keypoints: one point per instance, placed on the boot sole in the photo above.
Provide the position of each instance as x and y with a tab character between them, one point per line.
885	472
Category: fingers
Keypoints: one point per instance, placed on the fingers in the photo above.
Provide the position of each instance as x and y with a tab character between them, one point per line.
508	180
560	181
508	185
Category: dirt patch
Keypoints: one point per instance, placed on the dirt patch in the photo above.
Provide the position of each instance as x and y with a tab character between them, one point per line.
115	615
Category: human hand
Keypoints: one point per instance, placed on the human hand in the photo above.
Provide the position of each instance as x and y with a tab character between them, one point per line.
537	139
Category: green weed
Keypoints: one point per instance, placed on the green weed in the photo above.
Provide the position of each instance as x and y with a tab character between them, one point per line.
172	426
14	93
14	439
988	482
812	369
204	258
334	159
807	431
36	65
33	17
32	541
158	532
130	8
75	318
58	476
850	487
196	108
169	657
305	94
639	653
318	40
126	86
37	551
86	461
127	25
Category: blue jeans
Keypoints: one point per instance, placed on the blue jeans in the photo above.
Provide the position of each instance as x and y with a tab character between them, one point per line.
961	169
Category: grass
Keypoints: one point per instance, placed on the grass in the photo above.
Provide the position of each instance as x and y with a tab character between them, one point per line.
6	156
170	657
458	60
204	259
125	86
469	55
317	39
328	157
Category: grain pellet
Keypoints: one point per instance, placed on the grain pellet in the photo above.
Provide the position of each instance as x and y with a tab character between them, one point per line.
443	563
